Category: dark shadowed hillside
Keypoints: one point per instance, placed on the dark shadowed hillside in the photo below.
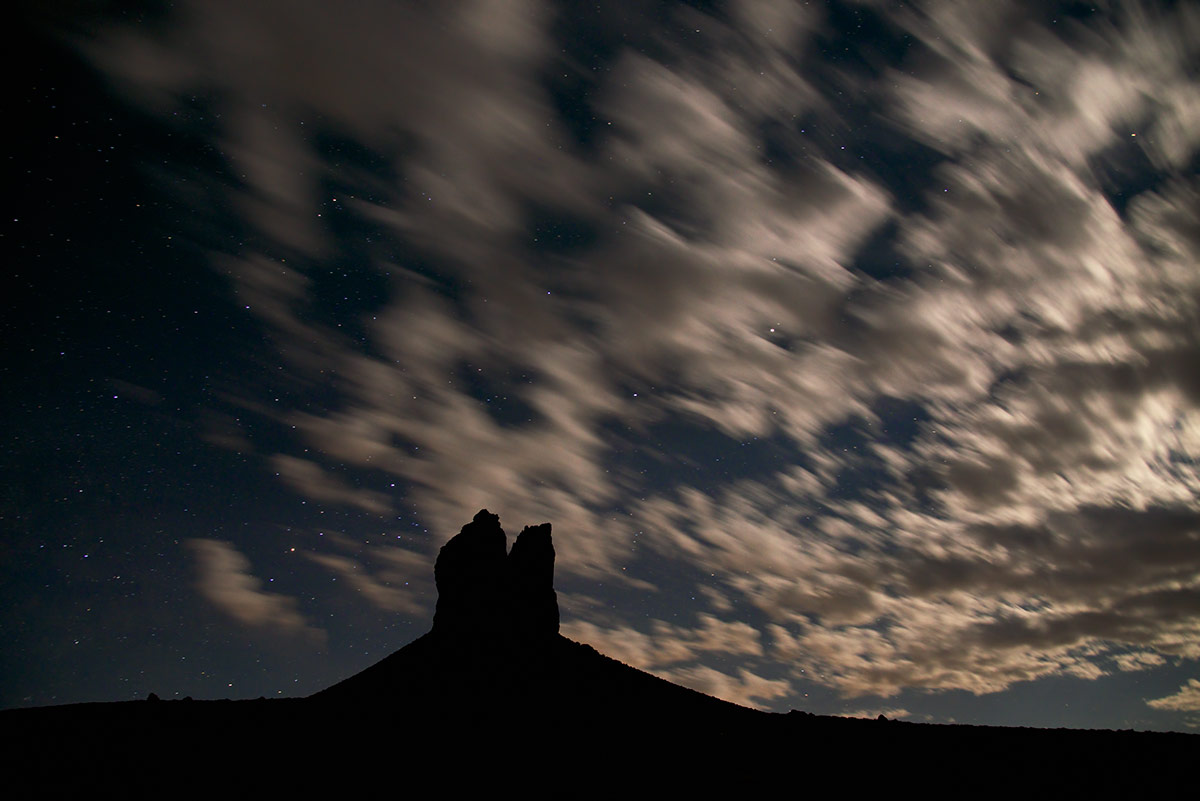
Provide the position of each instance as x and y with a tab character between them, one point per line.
494	699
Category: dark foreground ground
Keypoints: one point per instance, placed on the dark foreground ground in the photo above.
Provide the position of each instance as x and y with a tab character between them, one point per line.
562	745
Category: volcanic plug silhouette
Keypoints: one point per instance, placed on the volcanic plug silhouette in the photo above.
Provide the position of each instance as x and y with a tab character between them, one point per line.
495	650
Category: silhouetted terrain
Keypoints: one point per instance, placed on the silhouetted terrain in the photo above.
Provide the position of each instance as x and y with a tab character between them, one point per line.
495	649
494	700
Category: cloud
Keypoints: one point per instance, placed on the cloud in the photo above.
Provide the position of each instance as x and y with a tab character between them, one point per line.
1186	700
667	649
1138	660
745	688
226	581
308	479
999	76
974	467
871	714
976	608
382	591
433	71
668	644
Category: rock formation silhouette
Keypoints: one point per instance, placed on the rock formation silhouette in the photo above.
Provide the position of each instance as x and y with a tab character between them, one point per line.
486	593
495	651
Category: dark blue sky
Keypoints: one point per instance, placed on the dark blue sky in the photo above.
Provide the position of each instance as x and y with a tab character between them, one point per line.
849	347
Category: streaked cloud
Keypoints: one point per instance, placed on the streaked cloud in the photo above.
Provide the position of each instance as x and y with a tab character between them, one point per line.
1186	700
745	688
225	580
378	590
310	480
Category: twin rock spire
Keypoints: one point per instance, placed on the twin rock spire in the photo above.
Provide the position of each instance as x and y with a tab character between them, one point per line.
486	592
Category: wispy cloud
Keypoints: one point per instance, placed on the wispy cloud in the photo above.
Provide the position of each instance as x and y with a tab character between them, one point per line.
309	480
389	589
226	581
1186	700
890	713
745	688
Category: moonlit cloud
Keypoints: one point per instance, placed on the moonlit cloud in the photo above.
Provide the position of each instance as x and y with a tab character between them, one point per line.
745	688
308	479
666	644
871	714
974	468
1186	700
226	581
378	590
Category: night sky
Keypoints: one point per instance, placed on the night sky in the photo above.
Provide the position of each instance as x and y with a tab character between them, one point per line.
851	348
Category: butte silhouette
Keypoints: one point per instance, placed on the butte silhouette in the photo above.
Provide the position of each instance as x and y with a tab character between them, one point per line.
495	655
